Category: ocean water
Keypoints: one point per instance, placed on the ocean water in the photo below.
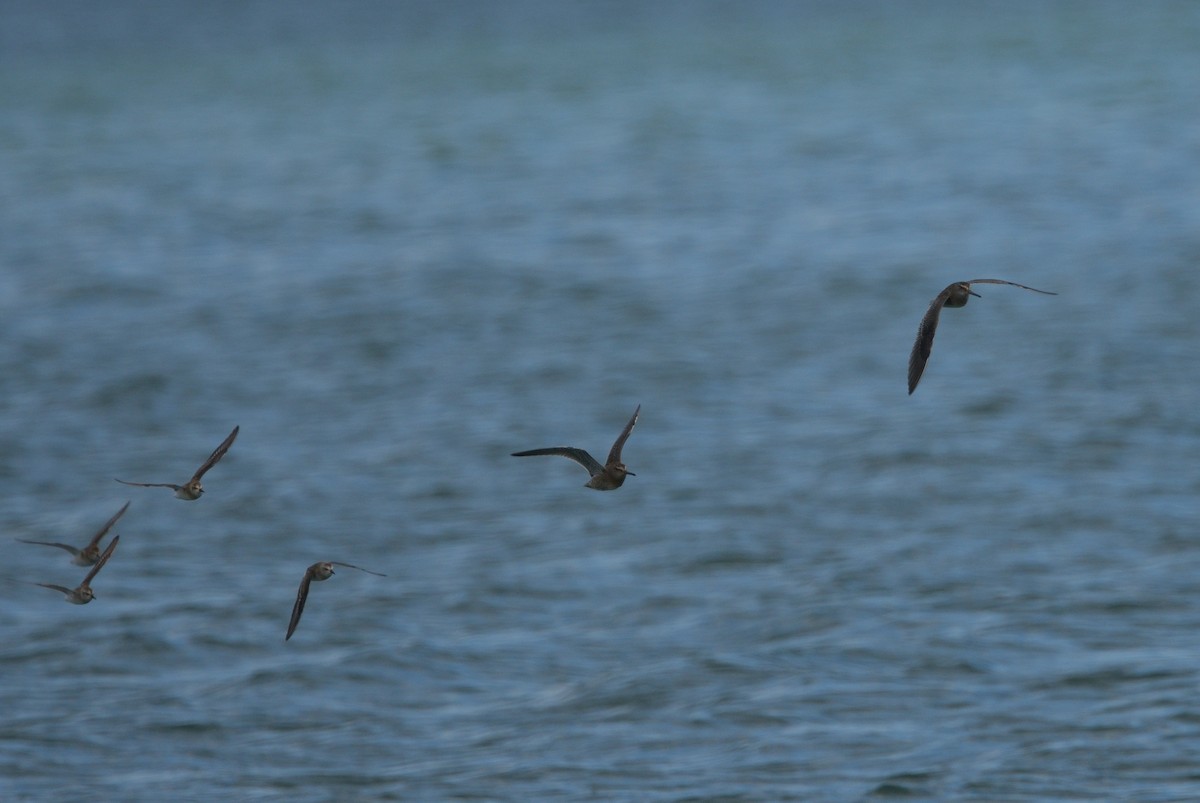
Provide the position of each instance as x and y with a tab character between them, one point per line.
395	242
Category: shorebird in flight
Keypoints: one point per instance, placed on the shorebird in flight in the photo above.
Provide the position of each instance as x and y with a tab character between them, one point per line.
90	553
83	594
956	295
318	572
607	477
192	489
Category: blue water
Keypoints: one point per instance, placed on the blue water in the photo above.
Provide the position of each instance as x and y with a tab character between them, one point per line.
396	242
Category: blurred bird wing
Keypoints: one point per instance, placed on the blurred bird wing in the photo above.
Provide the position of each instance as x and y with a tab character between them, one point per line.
924	342
614	455
571	453
1013	284
352	566
301	598
217	454
103	559
108	525
67	547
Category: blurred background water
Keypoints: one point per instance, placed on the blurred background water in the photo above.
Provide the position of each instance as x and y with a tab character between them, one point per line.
397	241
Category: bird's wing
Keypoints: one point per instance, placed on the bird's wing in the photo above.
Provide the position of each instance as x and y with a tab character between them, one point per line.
1014	284
301	598
614	454
170	485
217	454
103	559
570	452
67	547
352	566
108	525
924	342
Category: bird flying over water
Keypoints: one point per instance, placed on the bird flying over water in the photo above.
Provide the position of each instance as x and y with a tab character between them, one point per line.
90	553
192	489
318	572
956	295
607	477
83	594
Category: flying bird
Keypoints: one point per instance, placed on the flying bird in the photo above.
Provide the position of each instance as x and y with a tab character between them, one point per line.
607	477
192	489
318	572
956	295
83	594
90	553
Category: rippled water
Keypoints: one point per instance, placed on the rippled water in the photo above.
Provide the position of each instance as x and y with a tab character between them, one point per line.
396	242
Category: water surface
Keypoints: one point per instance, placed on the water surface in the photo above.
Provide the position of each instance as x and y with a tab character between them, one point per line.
395	243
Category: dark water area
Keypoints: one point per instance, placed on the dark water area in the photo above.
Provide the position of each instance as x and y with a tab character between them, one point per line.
397	242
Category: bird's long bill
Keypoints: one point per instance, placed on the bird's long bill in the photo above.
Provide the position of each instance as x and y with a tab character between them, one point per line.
971	292
630	473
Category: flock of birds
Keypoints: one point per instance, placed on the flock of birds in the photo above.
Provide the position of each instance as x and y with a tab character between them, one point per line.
190	491
607	477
